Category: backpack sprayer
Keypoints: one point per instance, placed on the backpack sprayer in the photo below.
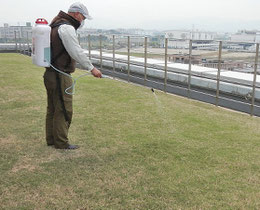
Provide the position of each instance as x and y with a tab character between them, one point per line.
41	50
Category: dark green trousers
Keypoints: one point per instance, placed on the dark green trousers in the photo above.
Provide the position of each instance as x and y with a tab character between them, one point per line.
57	126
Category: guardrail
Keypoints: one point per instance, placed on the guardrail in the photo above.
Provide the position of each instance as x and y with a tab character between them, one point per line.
168	78
245	102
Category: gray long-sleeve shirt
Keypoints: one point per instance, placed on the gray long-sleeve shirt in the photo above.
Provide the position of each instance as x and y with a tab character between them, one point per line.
69	39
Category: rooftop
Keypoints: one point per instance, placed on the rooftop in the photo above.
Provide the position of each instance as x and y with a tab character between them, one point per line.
139	149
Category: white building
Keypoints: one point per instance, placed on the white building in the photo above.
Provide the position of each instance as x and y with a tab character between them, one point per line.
134	40
246	36
137	31
187	34
8	32
180	38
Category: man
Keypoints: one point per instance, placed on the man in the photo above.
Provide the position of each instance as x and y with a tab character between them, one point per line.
65	51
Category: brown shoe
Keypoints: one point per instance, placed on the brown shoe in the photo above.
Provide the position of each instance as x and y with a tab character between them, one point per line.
70	147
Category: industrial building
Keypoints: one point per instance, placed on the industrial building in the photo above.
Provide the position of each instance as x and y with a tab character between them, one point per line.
179	39
9	33
246	36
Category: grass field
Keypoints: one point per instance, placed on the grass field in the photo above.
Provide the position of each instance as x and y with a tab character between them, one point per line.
137	150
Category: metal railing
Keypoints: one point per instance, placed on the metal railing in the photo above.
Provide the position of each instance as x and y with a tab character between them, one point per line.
114	47
130	77
18	44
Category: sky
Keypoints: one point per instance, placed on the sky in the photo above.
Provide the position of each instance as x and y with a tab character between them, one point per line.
208	15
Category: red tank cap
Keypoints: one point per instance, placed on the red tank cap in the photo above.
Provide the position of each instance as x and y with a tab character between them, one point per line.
41	21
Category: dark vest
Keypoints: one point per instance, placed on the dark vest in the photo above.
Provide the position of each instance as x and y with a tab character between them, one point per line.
59	56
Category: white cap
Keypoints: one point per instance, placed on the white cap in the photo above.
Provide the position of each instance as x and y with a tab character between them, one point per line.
81	8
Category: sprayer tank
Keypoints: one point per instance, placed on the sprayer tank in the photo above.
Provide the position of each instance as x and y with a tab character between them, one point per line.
41	53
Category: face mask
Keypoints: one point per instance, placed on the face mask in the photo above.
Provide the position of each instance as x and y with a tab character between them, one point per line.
82	23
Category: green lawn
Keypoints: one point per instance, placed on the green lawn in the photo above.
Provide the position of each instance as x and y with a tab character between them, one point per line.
136	152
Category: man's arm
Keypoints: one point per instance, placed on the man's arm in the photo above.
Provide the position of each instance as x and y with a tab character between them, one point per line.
69	39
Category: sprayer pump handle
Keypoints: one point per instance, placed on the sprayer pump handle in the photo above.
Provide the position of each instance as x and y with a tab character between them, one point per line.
41	21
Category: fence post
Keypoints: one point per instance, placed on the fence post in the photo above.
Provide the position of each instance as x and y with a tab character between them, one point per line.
20	44
101	60
114	69
24	48
28	46
128	57
15	37
254	81
89	47
145	60
23	40
165	63
219	68
189	77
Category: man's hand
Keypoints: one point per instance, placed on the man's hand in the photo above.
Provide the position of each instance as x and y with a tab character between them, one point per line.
96	73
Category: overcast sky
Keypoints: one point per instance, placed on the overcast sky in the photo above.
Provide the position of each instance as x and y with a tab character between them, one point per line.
217	15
